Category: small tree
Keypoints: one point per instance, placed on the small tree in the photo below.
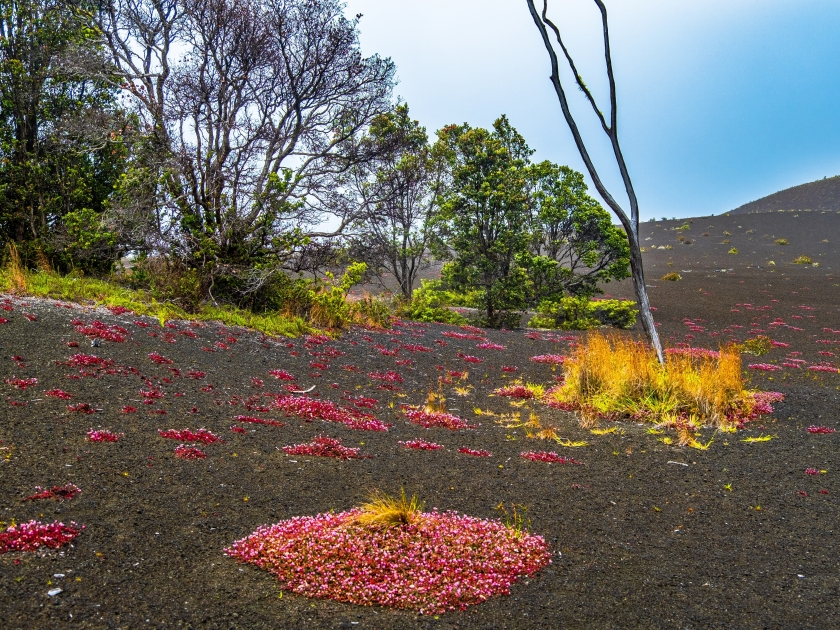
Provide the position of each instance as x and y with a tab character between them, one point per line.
397	190
573	245
483	216
631	222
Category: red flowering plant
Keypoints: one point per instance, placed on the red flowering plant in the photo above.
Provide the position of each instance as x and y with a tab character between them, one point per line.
420	445
265	421
549	457
430	562
21	383
310	409
474	453
819	429
184	451
58	393
323	446
101	435
202	435
436	419
116	334
57	493
33	535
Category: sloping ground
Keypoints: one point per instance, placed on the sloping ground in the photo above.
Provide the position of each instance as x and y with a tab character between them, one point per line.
643	534
823	194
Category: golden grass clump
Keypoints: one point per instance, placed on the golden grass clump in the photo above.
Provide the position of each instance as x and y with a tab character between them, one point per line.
383	509
610	374
15	271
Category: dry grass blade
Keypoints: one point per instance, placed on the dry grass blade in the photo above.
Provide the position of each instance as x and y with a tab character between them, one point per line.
17	274
383	509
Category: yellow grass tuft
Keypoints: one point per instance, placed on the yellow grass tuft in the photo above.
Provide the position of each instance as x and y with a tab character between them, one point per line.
16	271
383	509
610	374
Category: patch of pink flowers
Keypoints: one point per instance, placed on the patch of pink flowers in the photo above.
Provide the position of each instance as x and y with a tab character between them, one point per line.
310	409
822	368
551	359
549	457
58	493
81	408
471	359
389	376
474	453
509	368
489	345
160	359
33	535
812	471
189	452
21	383
437	419
764	367
421	445
186	435
323	446
254	420
818	430
514	391
58	393
117	334
101	435
457	335
441	561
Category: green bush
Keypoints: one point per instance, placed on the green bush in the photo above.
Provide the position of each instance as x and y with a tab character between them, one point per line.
429	304
572	313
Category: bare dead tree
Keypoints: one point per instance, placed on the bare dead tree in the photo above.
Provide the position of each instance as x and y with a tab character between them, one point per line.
631	222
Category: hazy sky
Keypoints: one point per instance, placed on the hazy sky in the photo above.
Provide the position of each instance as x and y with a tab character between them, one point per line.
720	101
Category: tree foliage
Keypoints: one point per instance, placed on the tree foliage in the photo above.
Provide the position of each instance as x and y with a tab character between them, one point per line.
484	213
61	133
397	191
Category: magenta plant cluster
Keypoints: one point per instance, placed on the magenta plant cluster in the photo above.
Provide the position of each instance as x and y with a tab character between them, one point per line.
441	561
33	535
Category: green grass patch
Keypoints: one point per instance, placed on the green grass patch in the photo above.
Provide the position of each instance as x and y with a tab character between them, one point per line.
72	288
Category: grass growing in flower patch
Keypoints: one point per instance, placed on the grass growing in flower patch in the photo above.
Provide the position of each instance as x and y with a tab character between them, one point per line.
612	375
437	562
33	535
383	509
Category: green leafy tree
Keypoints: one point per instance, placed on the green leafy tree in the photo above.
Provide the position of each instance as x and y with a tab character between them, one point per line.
397	190
61	144
484	214
574	245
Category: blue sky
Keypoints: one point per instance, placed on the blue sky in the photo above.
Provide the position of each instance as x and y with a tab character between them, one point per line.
720	101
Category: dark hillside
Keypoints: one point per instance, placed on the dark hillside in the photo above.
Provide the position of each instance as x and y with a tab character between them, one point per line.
823	194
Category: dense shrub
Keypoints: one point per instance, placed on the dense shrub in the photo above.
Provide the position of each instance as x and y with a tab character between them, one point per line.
581	314
429	304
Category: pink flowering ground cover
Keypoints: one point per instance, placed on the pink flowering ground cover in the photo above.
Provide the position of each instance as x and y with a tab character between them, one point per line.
441	561
323	446
33	535
437	419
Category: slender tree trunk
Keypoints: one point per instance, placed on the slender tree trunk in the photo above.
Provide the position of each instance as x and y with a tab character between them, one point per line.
630	223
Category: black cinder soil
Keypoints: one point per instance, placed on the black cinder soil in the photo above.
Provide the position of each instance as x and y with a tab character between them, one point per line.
644	535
